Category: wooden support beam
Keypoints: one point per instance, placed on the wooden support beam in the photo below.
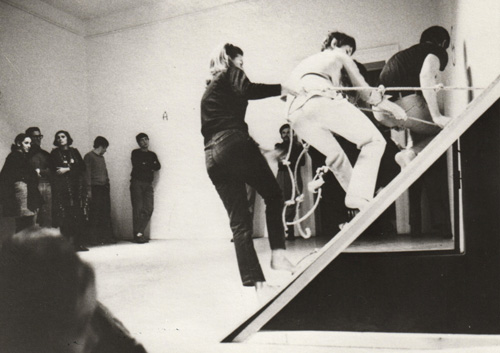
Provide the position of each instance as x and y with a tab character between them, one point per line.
384	199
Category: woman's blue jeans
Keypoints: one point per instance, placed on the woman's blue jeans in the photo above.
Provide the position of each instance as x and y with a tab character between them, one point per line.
233	159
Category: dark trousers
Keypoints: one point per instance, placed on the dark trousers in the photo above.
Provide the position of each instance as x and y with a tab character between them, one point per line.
73	225
233	160
24	222
100	214
142	195
435	184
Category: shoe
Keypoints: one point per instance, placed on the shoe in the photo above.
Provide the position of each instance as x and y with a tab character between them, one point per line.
139	238
81	248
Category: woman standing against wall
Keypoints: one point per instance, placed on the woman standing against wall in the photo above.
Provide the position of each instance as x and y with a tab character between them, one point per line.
233	160
68	190
19	185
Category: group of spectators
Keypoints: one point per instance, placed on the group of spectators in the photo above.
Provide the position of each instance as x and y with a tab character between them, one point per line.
62	190
61	202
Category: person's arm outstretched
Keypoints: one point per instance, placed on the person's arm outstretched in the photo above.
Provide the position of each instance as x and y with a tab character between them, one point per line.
428	78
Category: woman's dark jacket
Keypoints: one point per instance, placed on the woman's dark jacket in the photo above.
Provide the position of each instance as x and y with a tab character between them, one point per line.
225	101
17	168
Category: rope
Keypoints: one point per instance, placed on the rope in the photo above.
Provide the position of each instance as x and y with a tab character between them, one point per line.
438	87
295	189
386	113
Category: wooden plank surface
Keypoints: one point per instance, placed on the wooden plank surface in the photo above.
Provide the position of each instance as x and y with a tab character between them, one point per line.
383	200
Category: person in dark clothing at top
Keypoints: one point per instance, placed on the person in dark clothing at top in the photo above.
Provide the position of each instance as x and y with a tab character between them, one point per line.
283	176
98	194
144	164
68	189
233	159
419	66
40	161
19	185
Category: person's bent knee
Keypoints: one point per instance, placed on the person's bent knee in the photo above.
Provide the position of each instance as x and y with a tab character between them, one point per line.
378	142
335	161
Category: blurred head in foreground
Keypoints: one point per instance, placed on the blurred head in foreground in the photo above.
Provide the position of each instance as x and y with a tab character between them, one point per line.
47	296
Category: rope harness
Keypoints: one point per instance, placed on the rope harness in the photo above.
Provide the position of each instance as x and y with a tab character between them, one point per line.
318	181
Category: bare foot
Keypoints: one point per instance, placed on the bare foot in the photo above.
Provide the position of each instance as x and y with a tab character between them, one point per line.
404	157
355	202
280	262
265	291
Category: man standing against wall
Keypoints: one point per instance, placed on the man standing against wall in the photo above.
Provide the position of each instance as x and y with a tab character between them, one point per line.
144	164
283	176
40	161
98	193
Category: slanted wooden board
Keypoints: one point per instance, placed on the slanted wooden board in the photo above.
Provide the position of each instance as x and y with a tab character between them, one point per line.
383	200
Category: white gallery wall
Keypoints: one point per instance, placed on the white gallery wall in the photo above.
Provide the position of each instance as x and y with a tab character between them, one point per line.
475	49
117	82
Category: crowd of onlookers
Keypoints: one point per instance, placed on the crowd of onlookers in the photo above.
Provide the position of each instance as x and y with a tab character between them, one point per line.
61	203
62	190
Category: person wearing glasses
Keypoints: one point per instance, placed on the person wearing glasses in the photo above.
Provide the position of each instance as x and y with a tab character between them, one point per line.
68	189
40	161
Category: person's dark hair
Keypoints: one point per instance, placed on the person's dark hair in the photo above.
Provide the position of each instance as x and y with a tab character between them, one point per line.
29	131
70	140
342	39
436	35
48	293
140	136
232	50
17	141
284	126
101	142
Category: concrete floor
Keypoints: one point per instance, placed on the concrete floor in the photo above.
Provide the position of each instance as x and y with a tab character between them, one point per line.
175	292
186	295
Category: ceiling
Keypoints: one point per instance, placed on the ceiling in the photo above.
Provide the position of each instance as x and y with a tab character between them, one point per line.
91	9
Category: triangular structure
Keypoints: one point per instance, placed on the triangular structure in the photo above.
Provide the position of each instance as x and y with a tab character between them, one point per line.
353	230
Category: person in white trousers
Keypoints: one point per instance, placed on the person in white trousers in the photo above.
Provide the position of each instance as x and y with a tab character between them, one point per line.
319	110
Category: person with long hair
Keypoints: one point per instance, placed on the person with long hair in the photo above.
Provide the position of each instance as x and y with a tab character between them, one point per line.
233	160
19	184
68	189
